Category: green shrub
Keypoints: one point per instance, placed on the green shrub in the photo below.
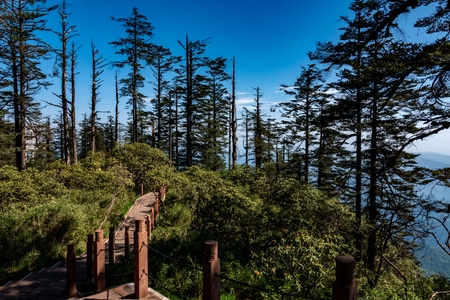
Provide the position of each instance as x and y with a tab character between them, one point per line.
27	187
139	158
278	244
42	211
31	237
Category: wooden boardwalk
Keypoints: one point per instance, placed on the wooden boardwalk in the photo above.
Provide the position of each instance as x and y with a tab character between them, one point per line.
140	210
51	283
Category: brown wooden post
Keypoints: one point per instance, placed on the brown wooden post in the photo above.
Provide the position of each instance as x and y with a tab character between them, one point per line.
112	246
211	271
163	192
156	207
152	218
344	288
140	260
127	241
149	226
71	272
99	262
142	190
89	256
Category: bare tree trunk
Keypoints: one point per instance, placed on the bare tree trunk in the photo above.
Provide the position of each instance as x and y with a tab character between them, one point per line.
247	144
233	119
64	102
189	104
116	121
177	157
73	115
93	99
258	142
358	171
17	116
20	108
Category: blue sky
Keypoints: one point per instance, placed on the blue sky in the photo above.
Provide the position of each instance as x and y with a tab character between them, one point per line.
270	40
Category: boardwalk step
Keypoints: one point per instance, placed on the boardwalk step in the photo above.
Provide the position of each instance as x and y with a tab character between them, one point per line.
3	287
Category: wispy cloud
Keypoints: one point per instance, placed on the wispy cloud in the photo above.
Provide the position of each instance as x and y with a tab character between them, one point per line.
285	89
245	100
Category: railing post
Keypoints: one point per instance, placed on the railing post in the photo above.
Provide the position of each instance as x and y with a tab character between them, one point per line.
127	241
162	192
211	271
99	262
112	246
344	288
89	256
71	272
149	226
152	218
140	260
156	208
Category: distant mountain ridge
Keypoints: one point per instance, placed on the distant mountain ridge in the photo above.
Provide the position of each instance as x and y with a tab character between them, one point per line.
433	160
434	260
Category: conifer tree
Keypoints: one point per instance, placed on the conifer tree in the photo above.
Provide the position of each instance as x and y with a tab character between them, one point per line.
22	52
193	85
137	50
162	62
85	136
258	130
302	110
98	65
379	98
246	116
73	63
109	133
233	119
255	131
175	135
213	114
116	109
7	155
65	35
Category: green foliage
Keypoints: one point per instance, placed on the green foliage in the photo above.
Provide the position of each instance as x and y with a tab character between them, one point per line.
7	137
278	239
280	243
298	266
32	236
140	159
30	186
42	211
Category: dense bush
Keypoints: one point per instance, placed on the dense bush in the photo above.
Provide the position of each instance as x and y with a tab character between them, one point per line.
140	159
279	243
28	188
43	210
278	239
32	236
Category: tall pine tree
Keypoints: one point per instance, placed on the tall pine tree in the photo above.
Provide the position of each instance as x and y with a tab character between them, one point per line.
22	52
381	106
137	50
301	111
213	116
